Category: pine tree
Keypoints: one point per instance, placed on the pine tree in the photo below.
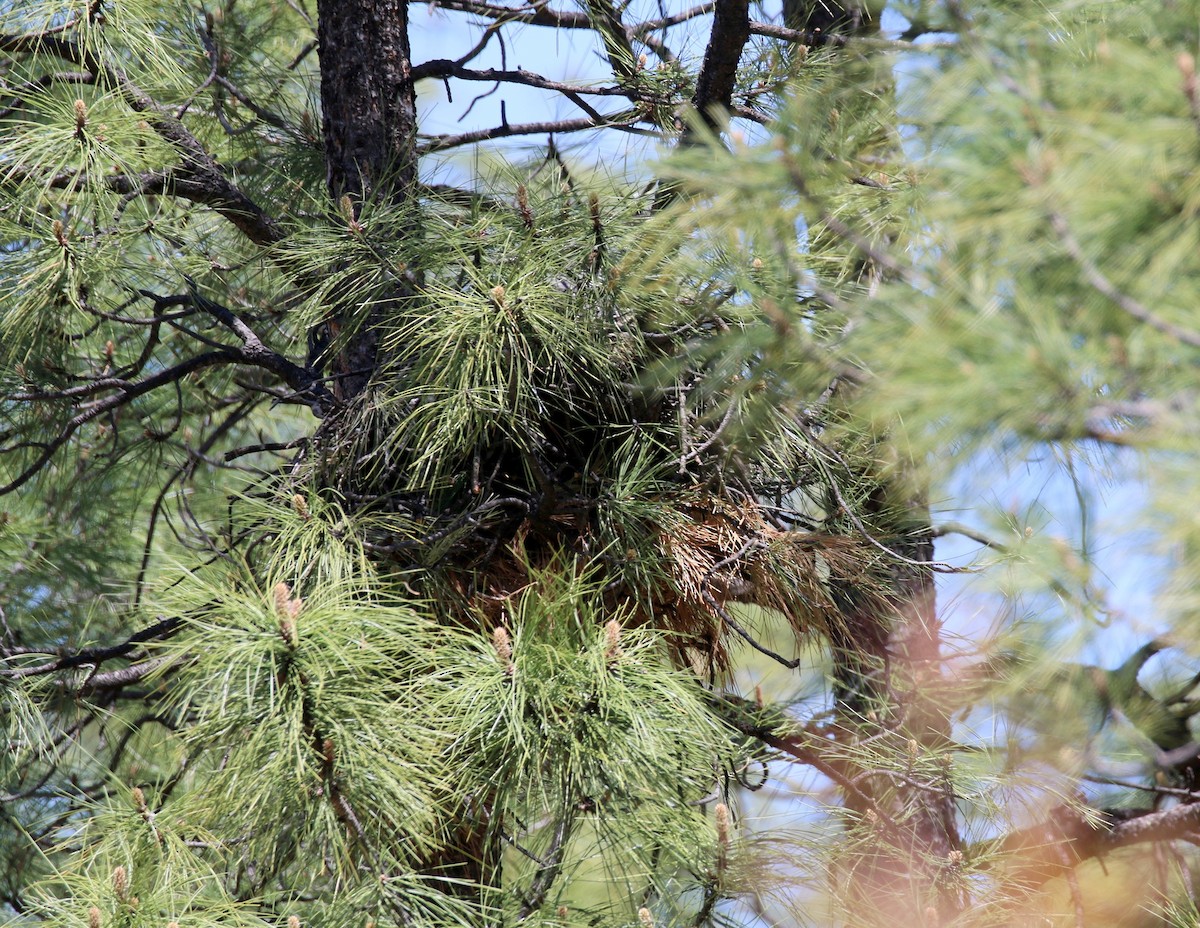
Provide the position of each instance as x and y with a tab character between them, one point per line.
388	552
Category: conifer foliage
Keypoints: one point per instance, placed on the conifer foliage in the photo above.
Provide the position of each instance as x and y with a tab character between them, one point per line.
386	552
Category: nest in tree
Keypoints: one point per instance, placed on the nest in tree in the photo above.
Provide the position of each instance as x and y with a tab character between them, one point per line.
536	409
692	581
727	554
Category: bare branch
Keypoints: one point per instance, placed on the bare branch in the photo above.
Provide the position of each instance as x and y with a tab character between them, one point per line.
550	866
748	718
666	22
534	15
1070	836
159	631
127	392
305	382
16	101
957	528
444	67
625	121
115	679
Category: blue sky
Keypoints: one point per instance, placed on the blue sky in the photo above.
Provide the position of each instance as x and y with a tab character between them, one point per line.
573	55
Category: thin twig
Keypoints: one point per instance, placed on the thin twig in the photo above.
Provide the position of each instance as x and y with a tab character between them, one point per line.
160	630
746	636
957	528
1105	287
552	865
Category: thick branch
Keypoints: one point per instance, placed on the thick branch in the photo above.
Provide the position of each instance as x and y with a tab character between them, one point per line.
618	44
304	381
115	679
1071	836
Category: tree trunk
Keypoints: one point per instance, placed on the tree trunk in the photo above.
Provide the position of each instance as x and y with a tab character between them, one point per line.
887	654
369	108
907	870
369	123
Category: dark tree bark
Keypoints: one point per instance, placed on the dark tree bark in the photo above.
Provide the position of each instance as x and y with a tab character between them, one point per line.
714	85
369	109
369	123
